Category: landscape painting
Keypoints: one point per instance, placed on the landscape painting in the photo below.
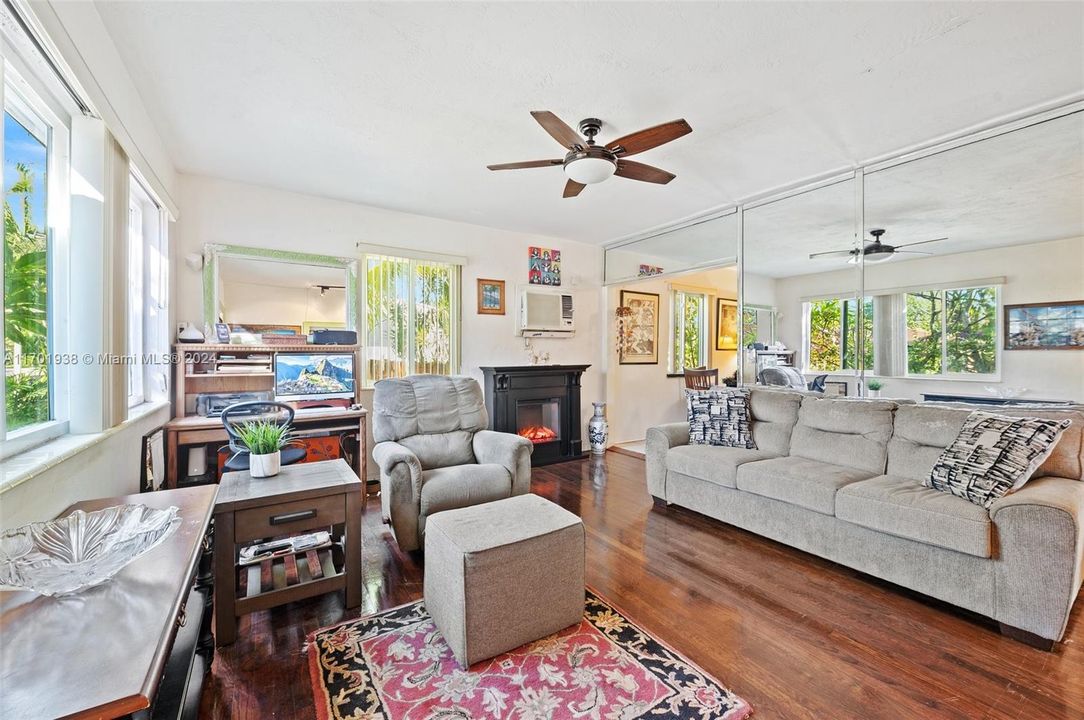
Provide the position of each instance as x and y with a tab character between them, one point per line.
490	297
1045	326
726	324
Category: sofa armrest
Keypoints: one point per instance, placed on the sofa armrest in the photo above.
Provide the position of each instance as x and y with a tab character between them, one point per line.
508	450
400	490
659	441
1040	533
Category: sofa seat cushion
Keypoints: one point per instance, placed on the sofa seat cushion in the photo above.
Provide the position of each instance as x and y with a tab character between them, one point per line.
811	484
903	507
462	486
713	463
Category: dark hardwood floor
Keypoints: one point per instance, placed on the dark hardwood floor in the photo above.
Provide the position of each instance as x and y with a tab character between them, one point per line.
796	636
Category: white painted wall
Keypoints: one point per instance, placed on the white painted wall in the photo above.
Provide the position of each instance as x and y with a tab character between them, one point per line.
1041	272
642	395
220	211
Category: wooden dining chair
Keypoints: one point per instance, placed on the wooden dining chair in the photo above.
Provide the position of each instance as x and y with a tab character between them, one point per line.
701	378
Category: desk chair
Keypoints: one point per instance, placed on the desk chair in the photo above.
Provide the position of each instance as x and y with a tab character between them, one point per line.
701	378
240	413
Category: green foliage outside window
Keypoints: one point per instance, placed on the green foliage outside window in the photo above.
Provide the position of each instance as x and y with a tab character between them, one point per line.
952	331
924	311
690	323
833	334
26	341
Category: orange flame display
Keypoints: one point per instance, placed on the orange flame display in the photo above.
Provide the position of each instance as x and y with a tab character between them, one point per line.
538	433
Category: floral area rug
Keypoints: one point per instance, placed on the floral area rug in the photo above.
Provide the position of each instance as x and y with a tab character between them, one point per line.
395	665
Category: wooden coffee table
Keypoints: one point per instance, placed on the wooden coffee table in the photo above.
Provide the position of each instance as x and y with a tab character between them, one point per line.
302	498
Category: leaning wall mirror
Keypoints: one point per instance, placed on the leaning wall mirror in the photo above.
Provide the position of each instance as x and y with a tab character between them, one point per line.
278	292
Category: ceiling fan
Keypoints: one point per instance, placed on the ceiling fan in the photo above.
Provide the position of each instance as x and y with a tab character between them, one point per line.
586	163
876	251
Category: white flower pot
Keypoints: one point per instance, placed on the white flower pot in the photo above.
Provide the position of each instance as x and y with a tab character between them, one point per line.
262	466
875	393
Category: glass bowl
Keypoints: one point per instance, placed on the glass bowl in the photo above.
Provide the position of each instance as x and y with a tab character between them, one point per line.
84	549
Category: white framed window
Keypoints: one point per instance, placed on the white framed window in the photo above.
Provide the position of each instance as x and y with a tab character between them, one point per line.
411	317
688	330
953	332
831	334
147	302
33	401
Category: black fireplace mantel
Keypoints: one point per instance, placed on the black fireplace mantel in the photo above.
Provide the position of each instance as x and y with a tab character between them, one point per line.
512	389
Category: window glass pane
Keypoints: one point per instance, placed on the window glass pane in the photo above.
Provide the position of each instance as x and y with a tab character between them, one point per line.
850	340
433	318
749	326
689	341
825	334
135	301
971	330
26	341
924	332
387	294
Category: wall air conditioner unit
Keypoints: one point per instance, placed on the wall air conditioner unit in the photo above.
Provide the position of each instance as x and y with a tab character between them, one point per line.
545	313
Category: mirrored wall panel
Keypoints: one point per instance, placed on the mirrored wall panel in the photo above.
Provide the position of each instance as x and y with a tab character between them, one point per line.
702	244
976	282
801	280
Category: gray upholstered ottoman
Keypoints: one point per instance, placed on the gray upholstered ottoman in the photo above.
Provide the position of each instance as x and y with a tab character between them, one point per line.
503	574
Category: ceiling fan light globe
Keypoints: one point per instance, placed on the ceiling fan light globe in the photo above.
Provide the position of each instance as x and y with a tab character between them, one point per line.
880	256
589	170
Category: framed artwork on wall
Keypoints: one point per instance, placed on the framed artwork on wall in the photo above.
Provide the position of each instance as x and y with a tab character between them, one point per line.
1045	326
726	324
639	328
543	266
222	333
490	297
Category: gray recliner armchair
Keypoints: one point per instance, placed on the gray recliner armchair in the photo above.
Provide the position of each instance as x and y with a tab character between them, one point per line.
435	452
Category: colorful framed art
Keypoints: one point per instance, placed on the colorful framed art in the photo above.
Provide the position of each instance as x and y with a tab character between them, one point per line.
640	328
1045	326
490	297
544	266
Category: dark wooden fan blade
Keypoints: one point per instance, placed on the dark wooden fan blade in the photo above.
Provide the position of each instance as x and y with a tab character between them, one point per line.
638	171
557	129
573	188
637	142
528	164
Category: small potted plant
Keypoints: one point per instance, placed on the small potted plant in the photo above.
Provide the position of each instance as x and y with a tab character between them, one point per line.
874	386
264	440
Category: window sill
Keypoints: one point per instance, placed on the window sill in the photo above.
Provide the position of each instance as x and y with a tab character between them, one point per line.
27	464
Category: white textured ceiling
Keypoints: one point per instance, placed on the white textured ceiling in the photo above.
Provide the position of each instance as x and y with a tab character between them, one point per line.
403	105
277	274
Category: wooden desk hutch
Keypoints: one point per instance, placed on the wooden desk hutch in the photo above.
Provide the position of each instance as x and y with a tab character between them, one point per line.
217	368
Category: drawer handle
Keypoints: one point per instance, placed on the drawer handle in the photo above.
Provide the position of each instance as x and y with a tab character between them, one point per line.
293	517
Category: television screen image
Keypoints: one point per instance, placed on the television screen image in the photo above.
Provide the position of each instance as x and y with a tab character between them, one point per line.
314	376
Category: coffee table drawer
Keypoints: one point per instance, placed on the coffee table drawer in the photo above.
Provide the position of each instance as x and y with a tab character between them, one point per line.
285	518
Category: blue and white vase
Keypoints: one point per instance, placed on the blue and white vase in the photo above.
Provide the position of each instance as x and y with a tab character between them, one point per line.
598	430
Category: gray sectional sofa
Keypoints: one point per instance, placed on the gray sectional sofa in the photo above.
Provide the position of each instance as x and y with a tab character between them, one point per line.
842	479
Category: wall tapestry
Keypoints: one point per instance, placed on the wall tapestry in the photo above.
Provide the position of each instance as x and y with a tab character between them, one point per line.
640	327
544	266
726	324
1045	326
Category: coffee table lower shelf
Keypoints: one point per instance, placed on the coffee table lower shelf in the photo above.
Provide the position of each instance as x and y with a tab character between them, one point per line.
289	577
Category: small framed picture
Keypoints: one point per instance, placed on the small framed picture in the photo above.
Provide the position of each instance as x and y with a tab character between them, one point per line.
222	333
835	388
490	297
726	324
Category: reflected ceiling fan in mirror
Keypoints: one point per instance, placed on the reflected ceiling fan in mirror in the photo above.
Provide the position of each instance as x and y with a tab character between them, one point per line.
877	251
587	163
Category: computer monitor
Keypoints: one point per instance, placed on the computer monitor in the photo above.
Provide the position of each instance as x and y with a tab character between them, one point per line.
314	375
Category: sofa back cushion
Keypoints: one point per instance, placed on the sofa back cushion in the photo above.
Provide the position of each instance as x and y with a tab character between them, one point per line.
435	416
852	433
774	414
923	431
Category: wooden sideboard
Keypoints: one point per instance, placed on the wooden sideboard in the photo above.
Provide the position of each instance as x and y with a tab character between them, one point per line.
137	646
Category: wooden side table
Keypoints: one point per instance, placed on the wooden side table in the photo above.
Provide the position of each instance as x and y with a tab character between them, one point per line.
301	498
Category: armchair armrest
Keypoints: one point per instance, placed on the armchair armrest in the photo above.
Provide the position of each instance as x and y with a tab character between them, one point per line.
509	451
400	490
1040	531
659	441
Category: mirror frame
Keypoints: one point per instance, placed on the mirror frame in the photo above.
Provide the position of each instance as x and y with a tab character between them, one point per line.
212	253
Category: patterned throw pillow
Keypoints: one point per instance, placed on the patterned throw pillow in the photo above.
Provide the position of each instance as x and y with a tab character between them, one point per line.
719	417
994	455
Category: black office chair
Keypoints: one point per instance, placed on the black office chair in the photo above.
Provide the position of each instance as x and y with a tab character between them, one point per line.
240	413
817	384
